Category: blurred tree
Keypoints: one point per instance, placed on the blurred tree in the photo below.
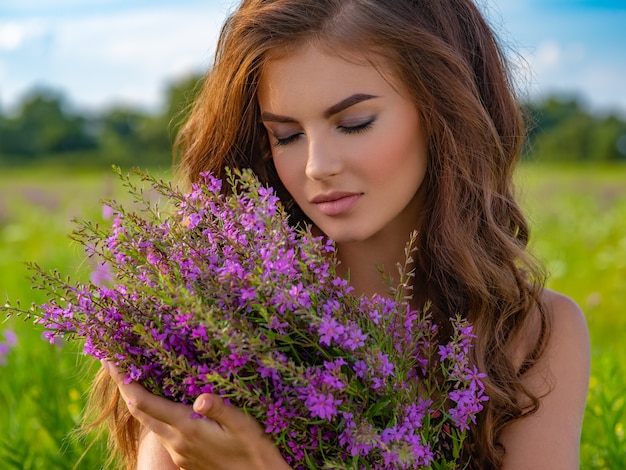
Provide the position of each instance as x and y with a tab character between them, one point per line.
561	129
179	98
43	126
569	140
607	135
118	134
159	132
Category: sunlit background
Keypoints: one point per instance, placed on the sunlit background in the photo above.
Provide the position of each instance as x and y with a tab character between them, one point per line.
89	83
103	51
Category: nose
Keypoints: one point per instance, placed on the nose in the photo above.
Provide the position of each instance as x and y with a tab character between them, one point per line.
323	160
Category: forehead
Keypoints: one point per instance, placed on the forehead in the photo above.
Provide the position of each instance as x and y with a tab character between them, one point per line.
310	71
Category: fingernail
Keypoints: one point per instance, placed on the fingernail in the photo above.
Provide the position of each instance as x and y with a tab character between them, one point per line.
202	403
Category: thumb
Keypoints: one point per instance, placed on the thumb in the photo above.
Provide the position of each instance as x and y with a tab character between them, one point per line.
210	405
228	416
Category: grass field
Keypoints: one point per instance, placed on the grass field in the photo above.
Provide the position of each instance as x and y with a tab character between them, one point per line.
578	216
579	220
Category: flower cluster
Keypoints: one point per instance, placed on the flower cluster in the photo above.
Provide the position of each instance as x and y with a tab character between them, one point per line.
10	340
221	294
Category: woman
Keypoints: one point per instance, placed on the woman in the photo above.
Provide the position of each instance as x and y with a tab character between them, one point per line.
374	118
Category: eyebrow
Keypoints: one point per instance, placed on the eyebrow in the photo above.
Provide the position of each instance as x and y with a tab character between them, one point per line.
334	109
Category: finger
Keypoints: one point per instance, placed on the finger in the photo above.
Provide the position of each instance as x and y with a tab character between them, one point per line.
214	407
116	374
154	412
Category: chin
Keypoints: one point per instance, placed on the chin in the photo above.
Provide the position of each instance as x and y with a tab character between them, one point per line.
345	236
347	230
344	240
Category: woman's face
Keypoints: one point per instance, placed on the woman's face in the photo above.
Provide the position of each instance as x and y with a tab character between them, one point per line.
347	145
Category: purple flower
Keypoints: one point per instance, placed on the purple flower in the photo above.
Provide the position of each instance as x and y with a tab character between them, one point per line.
101	274
222	295
322	405
360	368
445	351
352	337
107	212
10	340
277	417
329	330
231	364
134	373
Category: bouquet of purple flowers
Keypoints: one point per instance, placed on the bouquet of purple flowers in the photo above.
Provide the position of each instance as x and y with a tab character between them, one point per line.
220	294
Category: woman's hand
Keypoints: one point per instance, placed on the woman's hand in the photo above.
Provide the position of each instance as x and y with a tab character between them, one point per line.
227	439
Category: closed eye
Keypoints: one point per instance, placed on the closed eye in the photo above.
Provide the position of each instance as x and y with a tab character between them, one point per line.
281	141
286	140
356	129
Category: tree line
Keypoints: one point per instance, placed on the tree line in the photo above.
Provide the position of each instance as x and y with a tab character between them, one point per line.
44	128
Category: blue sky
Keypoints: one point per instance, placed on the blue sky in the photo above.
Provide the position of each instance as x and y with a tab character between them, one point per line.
104	52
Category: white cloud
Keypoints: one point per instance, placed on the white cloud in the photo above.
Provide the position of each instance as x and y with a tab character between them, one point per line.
129	53
555	68
14	35
145	37
37	5
125	56
549	55
11	36
607	86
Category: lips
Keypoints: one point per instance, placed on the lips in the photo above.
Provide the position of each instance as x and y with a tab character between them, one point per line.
336	203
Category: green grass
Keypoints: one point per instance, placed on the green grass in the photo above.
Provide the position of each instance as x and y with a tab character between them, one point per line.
578	215
43	387
41	392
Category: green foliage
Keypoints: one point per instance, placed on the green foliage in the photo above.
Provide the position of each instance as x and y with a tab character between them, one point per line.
606	414
43	386
562	130
44	128
579	218
43	125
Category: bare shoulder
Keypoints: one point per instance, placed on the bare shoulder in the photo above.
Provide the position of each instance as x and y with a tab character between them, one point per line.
567	356
566	317
550	438
565	363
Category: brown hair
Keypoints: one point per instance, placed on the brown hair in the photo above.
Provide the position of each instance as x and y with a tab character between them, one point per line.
472	255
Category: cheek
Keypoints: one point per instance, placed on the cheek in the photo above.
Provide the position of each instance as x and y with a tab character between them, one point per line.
400	156
291	173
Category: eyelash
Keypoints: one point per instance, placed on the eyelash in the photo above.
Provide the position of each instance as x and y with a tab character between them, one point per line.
286	140
345	130
357	129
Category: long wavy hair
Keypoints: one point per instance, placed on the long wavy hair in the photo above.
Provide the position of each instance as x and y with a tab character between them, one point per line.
472	258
